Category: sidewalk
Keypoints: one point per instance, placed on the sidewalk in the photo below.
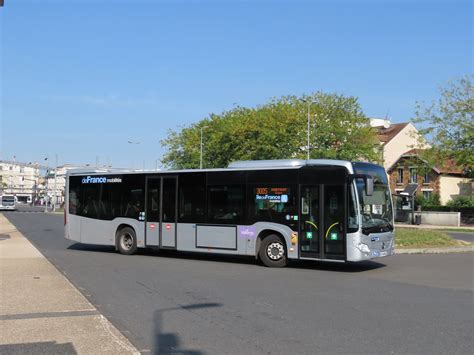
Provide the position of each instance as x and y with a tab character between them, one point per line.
430	226
465	249
41	312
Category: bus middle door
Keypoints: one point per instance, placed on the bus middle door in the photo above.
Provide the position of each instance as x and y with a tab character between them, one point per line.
152	211
168	212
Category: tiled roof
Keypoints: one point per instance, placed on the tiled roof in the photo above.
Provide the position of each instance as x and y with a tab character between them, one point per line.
448	166
385	135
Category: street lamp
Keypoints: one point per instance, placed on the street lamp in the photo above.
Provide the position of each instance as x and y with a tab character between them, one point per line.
55	186
200	161
46	185
308	102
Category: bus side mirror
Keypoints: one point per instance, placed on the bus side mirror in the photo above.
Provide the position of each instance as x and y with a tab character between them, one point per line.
369	186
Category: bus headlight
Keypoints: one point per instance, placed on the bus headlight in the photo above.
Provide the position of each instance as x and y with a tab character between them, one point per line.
363	248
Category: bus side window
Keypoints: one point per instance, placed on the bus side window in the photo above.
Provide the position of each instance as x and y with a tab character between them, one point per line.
226	203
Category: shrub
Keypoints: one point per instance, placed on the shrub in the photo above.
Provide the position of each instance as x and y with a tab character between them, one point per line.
461	201
432	201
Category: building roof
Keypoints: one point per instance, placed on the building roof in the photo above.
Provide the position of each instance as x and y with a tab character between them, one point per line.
386	134
448	166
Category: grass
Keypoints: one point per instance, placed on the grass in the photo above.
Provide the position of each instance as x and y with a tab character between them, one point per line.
424	238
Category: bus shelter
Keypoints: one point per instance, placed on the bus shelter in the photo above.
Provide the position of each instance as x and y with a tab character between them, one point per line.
404	202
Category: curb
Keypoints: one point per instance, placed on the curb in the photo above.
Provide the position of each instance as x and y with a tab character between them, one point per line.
53	315
431	226
435	250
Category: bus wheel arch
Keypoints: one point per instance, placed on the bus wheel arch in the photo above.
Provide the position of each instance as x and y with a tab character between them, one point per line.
271	249
126	239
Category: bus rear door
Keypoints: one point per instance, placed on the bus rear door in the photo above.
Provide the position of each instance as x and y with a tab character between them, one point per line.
160	211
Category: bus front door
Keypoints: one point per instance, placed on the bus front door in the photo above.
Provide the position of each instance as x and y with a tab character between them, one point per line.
322	216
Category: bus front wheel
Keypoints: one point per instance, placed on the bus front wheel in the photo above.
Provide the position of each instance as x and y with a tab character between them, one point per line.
126	241
272	251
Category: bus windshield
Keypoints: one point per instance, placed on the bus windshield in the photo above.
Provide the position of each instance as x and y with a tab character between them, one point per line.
8	200
376	210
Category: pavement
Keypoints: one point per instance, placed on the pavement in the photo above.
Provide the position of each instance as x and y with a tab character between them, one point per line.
446	250
432	226
41	312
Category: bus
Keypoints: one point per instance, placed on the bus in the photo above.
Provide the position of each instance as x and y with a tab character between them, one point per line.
273	210
8	202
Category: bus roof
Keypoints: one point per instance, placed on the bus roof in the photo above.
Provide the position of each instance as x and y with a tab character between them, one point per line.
237	165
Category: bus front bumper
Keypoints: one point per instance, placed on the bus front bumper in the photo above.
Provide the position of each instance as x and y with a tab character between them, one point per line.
370	247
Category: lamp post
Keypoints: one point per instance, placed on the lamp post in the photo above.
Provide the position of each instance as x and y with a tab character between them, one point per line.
308	102
55	186
200	160
46	185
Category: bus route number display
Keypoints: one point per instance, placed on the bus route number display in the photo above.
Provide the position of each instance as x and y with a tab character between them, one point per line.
272	194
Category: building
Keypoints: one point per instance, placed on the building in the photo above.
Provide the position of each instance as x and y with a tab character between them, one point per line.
399	143
25	181
56	182
21	180
446	180
396	139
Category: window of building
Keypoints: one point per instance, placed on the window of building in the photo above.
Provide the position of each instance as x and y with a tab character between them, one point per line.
427	194
413	176
22	169
400	176
426	178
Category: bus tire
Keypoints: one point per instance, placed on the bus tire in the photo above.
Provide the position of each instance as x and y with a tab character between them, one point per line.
272	251
126	241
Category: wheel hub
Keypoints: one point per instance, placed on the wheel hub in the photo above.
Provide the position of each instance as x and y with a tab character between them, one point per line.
275	251
127	241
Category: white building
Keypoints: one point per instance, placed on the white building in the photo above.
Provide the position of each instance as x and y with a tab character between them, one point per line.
396	139
56	183
21	180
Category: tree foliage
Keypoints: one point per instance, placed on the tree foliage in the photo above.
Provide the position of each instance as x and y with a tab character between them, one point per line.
448	124
276	130
461	202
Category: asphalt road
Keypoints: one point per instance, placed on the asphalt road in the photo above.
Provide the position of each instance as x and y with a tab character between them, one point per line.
468	237
195	304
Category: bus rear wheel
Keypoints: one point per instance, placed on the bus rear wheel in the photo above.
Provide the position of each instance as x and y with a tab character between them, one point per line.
126	241
272	251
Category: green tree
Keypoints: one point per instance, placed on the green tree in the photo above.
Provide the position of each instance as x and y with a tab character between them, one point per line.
447	124
276	130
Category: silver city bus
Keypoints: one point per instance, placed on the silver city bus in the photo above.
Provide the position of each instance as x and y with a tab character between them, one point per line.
275	210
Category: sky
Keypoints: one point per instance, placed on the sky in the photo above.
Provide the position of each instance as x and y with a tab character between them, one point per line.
79	79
